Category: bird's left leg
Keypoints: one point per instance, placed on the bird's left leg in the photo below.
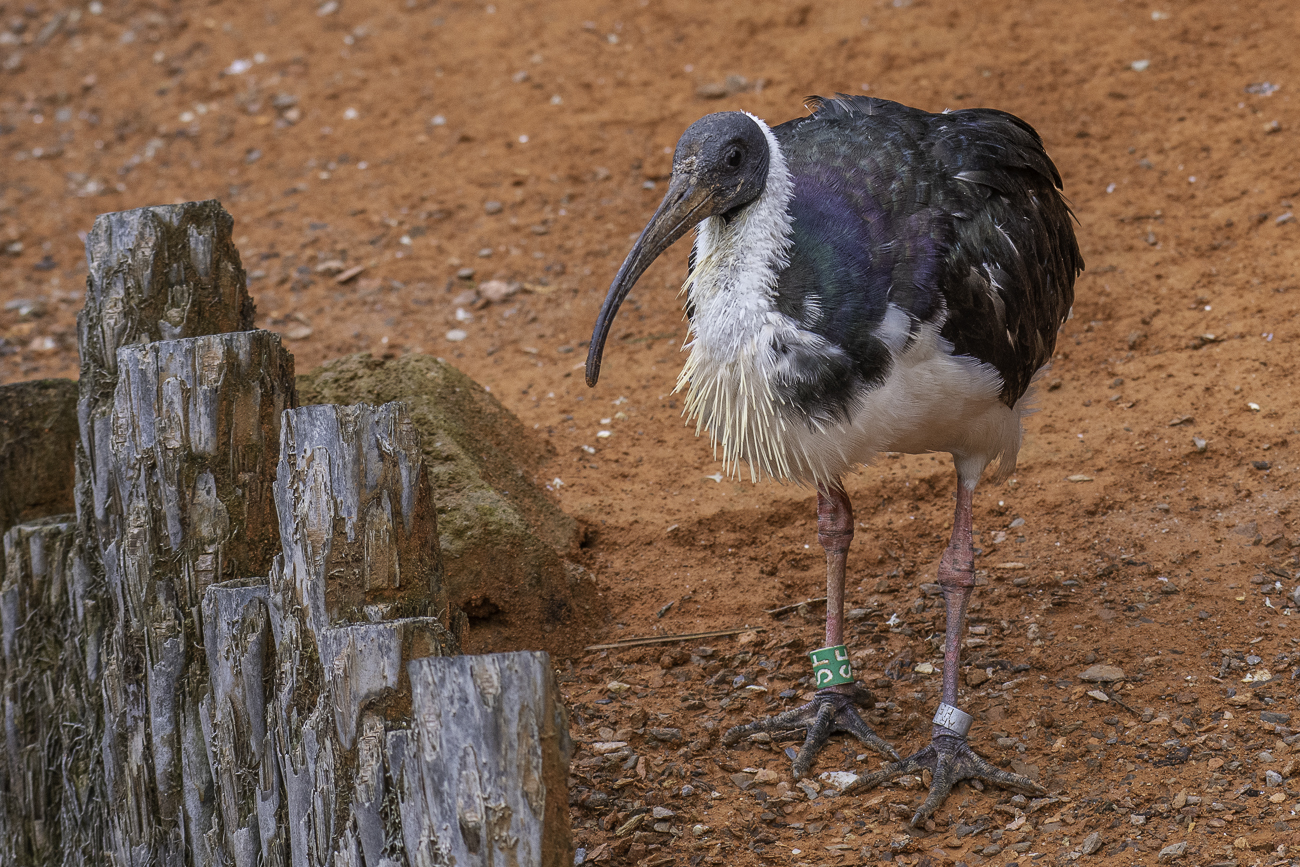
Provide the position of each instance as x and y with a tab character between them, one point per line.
833	707
948	757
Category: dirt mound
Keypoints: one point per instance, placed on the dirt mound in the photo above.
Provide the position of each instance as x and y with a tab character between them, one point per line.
507	548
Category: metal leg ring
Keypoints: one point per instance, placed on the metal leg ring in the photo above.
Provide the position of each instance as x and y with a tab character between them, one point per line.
953	719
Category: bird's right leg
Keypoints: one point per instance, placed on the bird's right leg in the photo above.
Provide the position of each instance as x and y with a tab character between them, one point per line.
948	757
833	707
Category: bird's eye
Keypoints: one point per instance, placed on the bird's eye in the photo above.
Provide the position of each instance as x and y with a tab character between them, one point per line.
733	158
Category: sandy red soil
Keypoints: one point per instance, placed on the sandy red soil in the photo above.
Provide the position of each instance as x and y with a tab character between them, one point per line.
380	135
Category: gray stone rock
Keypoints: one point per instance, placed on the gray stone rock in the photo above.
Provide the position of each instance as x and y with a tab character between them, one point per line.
1092	843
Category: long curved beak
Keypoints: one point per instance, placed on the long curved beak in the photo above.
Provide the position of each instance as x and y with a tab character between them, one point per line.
685	204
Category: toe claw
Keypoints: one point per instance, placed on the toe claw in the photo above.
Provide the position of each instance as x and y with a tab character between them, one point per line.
949	761
827	713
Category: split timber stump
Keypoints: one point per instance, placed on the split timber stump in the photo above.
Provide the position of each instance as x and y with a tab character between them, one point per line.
237	652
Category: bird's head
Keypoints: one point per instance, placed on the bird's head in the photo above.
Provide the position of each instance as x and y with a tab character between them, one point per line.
719	167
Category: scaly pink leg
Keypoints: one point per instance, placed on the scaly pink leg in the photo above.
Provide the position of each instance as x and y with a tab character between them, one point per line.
948	757
832	709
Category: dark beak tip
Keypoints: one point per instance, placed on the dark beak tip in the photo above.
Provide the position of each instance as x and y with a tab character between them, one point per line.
675	217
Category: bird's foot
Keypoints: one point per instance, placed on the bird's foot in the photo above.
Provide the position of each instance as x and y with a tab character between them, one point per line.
949	759
829	712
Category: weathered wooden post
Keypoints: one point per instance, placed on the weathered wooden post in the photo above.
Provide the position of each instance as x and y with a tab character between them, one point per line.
357	594
216	662
51	779
44	678
179	432
487	780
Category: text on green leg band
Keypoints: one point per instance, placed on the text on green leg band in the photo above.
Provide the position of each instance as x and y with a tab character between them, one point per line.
831	666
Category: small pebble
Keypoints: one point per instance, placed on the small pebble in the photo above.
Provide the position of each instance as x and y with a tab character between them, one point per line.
492	207
839	779
456	335
27	307
496	291
1101	673
700	830
1172	852
1092	843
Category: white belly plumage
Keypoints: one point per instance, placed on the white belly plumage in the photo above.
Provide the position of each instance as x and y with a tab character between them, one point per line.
930	401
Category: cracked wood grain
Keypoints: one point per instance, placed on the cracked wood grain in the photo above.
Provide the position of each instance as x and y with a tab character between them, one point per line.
486	778
51	780
160	273
180	478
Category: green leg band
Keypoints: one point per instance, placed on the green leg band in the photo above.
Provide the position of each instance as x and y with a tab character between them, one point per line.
831	666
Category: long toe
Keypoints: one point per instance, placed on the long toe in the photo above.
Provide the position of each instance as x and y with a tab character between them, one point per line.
827	714
949	761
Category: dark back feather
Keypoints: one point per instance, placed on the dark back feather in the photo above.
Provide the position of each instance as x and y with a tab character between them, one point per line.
957	213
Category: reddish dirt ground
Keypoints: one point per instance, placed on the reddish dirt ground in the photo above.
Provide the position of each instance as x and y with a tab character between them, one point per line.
529	142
